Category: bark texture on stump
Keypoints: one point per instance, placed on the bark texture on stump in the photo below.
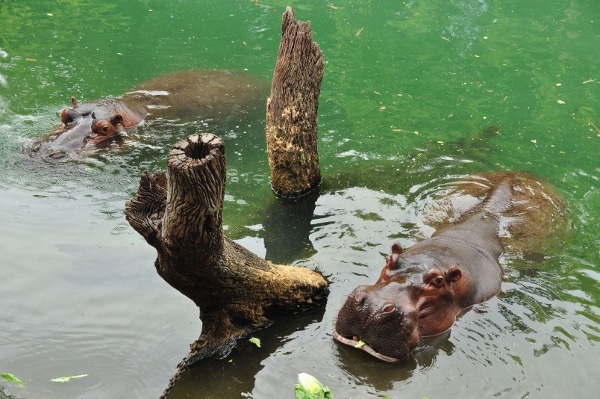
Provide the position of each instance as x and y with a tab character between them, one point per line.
181	216
291	127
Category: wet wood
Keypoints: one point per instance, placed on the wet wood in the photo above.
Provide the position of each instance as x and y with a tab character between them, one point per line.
180	214
292	111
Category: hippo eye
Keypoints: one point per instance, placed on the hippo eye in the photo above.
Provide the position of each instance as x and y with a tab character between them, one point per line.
438	281
105	129
435	278
388	309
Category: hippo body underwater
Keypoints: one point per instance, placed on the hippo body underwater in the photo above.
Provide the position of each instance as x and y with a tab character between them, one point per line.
208	95
422	289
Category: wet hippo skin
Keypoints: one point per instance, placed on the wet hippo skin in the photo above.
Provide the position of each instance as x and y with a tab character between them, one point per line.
211	95
422	289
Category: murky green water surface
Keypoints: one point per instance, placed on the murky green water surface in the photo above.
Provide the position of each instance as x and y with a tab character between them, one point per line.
408	88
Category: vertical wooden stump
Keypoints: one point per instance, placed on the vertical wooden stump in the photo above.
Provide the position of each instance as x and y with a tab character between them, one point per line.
292	118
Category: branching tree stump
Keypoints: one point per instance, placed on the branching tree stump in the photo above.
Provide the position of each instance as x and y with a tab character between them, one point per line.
181	216
292	125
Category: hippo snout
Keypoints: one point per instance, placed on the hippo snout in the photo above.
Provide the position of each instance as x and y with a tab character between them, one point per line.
381	324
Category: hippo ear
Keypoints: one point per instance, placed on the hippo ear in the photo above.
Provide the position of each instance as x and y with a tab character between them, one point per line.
116	119
453	275
391	261
74	102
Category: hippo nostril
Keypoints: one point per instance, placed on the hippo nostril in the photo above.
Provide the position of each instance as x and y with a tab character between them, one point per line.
388	309
68	116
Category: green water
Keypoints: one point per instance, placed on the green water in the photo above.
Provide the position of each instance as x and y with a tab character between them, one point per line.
408	89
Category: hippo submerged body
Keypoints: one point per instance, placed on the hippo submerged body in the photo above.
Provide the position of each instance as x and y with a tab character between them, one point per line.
210	95
421	290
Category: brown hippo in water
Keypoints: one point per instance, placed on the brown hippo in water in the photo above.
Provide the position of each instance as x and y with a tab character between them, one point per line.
210	95
423	289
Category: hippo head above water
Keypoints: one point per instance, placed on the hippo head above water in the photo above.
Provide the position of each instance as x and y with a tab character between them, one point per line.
417	295
96	123
99	121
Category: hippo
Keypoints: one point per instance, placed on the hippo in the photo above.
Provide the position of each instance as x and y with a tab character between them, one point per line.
424	288
209	95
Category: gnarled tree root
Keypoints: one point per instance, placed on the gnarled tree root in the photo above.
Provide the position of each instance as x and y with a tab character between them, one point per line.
181	216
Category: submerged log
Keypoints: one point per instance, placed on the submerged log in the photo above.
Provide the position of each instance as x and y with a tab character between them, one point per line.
181	216
292	125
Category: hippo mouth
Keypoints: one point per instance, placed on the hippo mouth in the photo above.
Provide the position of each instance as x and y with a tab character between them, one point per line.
359	344
101	139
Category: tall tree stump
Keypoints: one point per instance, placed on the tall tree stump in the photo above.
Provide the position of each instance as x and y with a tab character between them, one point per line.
181	216
292	122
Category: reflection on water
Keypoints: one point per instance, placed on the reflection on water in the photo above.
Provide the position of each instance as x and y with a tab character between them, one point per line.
414	95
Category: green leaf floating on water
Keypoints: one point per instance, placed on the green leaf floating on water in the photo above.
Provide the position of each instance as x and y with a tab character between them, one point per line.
309	387
360	344
67	379
255	341
11	378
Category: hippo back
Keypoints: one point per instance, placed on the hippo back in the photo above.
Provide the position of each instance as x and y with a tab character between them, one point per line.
203	94
531	221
